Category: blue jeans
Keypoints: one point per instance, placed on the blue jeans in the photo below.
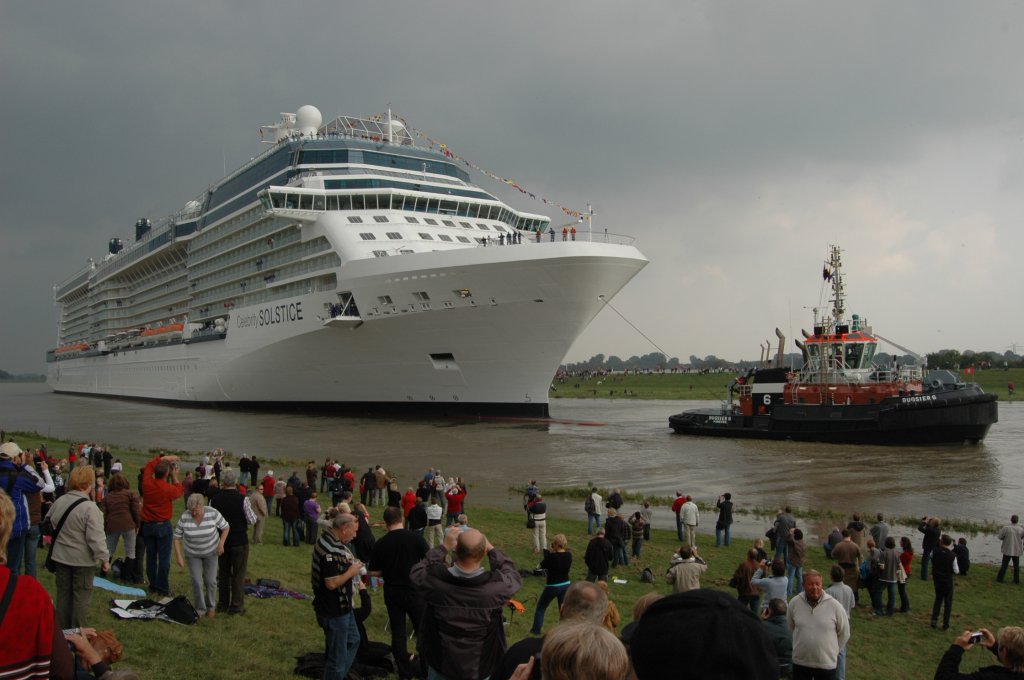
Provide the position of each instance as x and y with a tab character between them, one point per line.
926	556
890	596
679	528
341	642
719	533
291	531
31	546
619	555
15	551
593	522
841	665
158	537
794	574
546	596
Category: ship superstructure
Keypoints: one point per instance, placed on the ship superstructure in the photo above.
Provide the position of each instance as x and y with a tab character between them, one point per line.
346	265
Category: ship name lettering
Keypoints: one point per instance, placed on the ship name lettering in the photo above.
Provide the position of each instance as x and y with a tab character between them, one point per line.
719	419
278	314
923	397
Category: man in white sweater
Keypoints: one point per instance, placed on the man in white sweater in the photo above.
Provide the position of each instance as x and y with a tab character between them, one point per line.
820	628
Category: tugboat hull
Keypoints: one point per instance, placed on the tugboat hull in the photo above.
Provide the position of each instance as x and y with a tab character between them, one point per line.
946	418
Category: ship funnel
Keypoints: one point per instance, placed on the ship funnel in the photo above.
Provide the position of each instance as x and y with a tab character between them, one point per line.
142	227
782	343
115	246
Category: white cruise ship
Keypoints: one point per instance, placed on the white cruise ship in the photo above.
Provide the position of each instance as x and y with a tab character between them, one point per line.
346	268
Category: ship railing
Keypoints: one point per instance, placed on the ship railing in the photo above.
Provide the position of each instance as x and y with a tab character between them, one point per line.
583	237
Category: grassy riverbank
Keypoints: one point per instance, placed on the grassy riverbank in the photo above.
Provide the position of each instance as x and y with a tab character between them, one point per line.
264	642
714	385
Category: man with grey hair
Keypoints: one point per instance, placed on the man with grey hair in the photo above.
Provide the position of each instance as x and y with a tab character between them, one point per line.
333	575
232	564
464	602
584	601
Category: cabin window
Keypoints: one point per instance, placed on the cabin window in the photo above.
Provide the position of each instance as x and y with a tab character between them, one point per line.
355	219
367	236
394	235
380	253
411	220
332	202
426	237
462	239
305	202
319	202
448	223
430	221
445	237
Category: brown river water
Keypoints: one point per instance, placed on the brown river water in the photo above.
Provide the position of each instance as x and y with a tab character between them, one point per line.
588	441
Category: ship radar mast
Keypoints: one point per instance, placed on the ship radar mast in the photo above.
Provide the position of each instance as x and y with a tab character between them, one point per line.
833	272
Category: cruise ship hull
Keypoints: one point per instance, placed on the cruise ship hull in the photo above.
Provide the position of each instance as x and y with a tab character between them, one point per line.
494	331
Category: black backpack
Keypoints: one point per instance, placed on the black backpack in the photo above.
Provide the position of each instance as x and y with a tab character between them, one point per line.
589	506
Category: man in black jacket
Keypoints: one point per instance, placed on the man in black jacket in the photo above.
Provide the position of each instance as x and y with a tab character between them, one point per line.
233	563
943	568
598	557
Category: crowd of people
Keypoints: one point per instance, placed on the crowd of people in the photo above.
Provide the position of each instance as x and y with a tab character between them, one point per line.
447	580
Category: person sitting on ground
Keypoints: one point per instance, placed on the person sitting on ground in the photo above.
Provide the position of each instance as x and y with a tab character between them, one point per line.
1008	648
702	634
963	556
612	617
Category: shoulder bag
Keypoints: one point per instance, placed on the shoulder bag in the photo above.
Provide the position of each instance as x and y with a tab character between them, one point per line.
50	565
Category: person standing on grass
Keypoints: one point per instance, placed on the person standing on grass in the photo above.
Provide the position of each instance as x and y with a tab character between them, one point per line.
333	573
844	596
394	555
820	629
158	496
260	509
691	517
746	592
464	602
591	507
203	530
943	569
79	547
677	507
557	562
932	532
848	555
598	557
796	549
724	505
889	576
1012	537
906	560
234	561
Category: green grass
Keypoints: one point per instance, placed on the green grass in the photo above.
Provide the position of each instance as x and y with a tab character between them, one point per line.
264	642
714	385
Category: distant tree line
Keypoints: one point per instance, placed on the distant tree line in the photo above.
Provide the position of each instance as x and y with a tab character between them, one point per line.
658	362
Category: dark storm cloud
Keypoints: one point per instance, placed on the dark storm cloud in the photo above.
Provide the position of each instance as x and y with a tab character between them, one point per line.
721	134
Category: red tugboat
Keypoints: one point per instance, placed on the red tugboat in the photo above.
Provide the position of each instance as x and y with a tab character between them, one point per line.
841	396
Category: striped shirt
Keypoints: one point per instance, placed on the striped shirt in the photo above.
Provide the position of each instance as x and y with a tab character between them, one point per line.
201	538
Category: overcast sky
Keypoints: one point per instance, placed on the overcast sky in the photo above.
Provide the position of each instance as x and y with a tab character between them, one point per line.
735	141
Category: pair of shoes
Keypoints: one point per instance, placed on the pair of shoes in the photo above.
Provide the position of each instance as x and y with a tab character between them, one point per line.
211	613
945	626
934	625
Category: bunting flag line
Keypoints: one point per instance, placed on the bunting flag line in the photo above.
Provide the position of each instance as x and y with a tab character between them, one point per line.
448	153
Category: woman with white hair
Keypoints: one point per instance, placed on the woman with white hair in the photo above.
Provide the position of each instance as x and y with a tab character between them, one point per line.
203	530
